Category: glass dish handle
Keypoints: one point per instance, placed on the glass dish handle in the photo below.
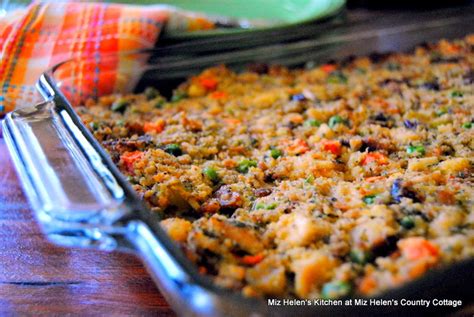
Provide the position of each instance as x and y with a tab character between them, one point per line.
65	180
79	202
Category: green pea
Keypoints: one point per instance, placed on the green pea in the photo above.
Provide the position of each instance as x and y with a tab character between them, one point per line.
309	179
173	149
211	173
245	165
260	206
337	77
360	256
267	207
456	93
441	111
312	123
418	149
94	126
151	93
272	206
336	289
120	105
178	95
159	103
467	125
335	120
369	199
407	222
275	153
393	66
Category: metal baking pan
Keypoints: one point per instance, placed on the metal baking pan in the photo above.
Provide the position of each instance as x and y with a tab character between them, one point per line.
81	199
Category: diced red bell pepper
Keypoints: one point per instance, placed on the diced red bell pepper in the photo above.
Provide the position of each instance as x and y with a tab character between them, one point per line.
332	146
208	83
328	68
218	95
129	158
252	259
377	157
298	146
156	127
415	248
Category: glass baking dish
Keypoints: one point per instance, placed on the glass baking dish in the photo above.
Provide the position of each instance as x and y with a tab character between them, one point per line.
81	199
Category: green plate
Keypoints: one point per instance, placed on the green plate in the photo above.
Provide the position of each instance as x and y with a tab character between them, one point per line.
271	13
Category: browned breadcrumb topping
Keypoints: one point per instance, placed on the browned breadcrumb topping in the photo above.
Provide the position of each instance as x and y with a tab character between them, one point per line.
345	179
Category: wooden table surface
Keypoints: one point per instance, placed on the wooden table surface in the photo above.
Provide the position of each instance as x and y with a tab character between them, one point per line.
37	277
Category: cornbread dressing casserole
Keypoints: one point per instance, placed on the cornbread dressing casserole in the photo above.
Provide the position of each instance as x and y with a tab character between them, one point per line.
346	179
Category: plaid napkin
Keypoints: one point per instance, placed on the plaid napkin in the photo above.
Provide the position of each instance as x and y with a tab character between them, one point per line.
46	33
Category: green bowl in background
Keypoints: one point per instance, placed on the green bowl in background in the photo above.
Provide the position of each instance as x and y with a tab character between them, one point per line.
268	13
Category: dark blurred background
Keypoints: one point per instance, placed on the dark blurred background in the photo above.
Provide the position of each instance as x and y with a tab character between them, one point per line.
405	4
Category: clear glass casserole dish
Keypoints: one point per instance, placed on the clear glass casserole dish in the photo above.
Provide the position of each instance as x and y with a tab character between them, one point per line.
81	199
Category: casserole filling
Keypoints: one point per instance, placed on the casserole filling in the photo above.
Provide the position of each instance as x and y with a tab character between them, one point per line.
345	179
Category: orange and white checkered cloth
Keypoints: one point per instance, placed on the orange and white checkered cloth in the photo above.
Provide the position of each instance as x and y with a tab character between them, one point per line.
46	33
